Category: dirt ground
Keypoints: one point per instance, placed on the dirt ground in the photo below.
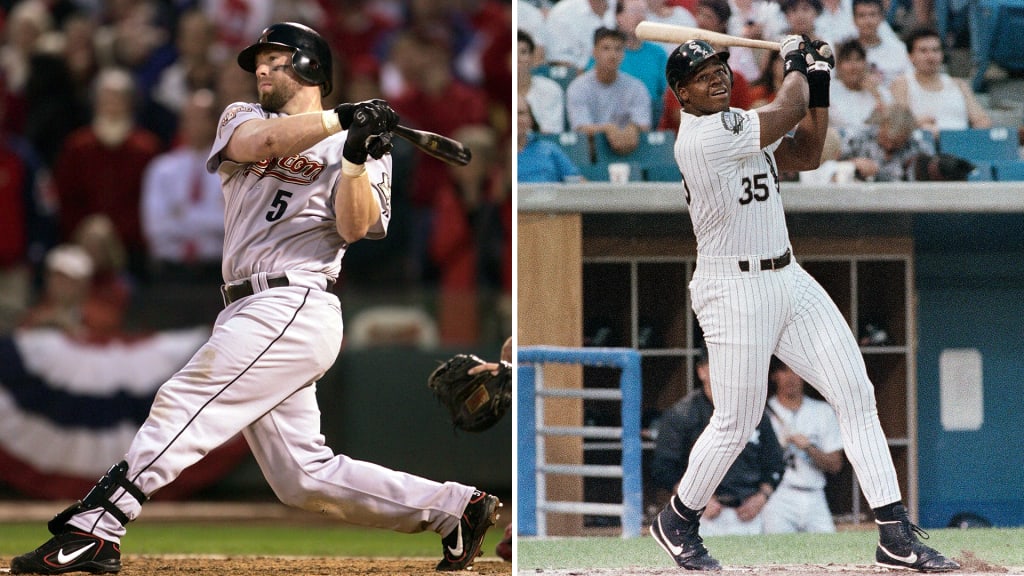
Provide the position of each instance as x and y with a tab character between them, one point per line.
136	565
969	563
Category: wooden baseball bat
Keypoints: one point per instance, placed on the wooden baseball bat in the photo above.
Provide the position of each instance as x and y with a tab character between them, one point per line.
447	150
678	34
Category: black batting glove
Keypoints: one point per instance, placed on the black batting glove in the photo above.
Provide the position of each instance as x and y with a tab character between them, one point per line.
794	54
819	73
345	110
369	132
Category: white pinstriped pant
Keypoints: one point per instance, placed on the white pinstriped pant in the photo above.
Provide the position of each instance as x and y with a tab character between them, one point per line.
747	317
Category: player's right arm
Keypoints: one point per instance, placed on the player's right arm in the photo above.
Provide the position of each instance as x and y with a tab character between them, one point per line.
261	138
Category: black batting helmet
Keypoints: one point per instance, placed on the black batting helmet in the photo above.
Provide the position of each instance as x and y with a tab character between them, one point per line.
687	57
311	56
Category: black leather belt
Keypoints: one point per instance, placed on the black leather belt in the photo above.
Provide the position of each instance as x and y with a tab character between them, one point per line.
233	292
768	263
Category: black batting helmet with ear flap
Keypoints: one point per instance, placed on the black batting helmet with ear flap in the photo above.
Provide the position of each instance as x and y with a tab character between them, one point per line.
311	56
687	57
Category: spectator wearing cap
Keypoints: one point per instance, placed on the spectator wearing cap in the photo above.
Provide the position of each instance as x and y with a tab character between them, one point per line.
607	100
66	282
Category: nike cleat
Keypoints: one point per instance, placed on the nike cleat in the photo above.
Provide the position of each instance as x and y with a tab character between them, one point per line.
680	538
898	547
70	551
462	545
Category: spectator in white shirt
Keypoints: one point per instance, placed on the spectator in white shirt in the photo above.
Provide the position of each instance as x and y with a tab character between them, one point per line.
861	96
938	101
886	56
531	20
571	25
182	204
545	96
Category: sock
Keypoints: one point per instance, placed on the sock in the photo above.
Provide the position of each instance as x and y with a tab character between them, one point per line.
688	514
887	513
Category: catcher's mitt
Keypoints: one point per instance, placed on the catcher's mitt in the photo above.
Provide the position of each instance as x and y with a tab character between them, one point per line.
476	402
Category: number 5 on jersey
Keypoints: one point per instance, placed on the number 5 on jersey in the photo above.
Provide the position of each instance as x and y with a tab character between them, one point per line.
279	205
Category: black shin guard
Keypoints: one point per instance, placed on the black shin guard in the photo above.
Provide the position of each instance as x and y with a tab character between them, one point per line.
99	497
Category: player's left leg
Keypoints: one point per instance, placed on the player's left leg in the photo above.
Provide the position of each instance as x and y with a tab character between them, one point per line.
819	346
305	473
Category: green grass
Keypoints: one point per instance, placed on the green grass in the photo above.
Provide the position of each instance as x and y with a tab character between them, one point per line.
1004	547
253	538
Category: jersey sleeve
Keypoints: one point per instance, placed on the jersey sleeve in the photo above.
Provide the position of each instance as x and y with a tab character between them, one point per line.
731	136
232	117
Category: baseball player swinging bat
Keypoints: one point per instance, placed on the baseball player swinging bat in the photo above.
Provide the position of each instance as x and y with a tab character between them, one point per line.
445	149
678	34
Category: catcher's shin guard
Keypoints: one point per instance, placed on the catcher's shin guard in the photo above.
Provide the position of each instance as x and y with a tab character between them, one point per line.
100	497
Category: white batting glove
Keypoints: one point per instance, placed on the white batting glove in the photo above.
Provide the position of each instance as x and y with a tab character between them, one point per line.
790	44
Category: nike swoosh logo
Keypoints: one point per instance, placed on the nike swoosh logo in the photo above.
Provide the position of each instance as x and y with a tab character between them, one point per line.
67	559
457	551
908	559
674	550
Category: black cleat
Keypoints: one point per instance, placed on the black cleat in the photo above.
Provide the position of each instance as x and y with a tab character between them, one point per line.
680	538
462	545
898	547
70	551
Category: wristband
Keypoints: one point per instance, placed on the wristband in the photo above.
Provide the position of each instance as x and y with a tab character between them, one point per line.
331	122
796	61
818	83
351	169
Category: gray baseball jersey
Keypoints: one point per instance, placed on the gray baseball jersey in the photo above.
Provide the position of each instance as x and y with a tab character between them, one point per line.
279	213
748	313
257	373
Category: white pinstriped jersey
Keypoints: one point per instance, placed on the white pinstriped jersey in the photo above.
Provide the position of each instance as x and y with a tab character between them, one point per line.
817	421
279	213
736	210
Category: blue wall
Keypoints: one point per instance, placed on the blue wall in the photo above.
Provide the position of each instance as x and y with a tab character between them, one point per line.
970	285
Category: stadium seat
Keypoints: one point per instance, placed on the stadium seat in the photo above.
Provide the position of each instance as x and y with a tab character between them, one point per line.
995	29
598	172
654	149
662	173
982	172
1009	170
991	144
560	73
576	146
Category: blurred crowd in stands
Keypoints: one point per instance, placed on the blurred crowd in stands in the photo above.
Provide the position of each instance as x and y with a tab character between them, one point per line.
583	69
108	111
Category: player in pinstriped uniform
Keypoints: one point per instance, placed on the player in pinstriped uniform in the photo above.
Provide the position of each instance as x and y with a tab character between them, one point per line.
301	184
753	300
